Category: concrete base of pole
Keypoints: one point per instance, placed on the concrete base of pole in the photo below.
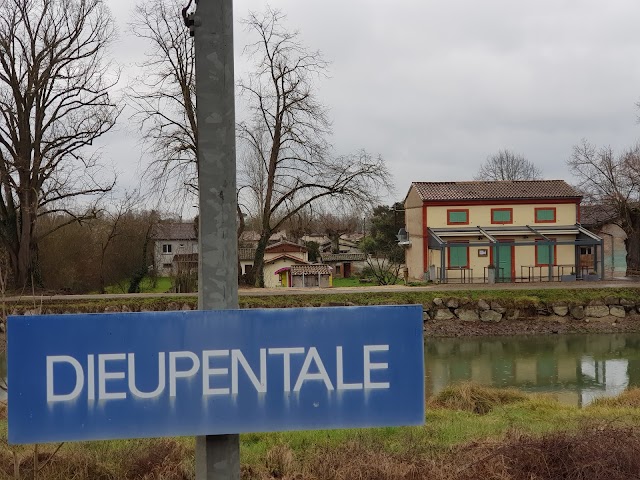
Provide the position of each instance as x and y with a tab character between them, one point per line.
218	457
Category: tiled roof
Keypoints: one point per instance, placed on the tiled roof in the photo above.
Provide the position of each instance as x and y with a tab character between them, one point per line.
185	258
593	215
310	270
251	236
175	231
247	253
343	257
498	190
286	246
284	256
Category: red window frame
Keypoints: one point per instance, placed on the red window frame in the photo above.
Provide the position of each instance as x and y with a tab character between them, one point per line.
457	210
555	253
510	210
463	242
537	209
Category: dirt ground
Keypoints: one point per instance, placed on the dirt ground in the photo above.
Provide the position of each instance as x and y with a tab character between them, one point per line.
539	326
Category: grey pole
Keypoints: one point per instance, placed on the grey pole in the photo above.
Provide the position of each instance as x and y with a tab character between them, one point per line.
217	456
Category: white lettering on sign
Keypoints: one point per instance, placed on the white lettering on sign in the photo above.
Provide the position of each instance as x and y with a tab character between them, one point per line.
103	376
115	373
207	371
132	377
286	353
64	397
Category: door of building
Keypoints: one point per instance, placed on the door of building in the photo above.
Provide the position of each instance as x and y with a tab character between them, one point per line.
347	270
504	266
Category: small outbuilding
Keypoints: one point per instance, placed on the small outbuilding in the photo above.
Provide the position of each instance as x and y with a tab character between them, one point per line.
305	276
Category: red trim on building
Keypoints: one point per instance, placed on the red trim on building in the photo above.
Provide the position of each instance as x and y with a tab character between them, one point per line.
535	215
510	210
457	210
449	254
532	201
425	240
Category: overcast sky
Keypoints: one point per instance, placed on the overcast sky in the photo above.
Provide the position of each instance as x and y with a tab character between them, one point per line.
436	86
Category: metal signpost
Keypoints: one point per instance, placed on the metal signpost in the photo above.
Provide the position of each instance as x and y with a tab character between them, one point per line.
217	457
153	374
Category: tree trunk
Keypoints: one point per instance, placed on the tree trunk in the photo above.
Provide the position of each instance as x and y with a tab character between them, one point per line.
632	244
22	269
258	263
23	266
335	242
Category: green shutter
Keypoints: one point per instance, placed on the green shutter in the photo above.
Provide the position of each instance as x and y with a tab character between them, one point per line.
545	214
458	256
542	257
458	217
501	216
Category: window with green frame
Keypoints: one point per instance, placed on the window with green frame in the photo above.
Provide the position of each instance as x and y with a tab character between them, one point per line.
458	255
458	216
542	254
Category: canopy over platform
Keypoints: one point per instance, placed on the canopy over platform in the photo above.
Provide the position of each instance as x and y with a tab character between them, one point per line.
527	235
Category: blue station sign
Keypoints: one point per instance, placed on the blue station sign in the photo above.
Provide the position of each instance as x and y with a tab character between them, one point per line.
151	374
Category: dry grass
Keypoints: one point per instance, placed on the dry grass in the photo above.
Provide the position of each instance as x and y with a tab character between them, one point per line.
591	453
162	459
627	399
475	398
456	444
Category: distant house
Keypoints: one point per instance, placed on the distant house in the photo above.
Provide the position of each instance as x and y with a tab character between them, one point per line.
281	255
345	264
170	239
276	265
286	247
247	257
507	230
601	220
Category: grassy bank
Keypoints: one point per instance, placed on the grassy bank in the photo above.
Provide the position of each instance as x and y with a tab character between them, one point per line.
514	298
470	433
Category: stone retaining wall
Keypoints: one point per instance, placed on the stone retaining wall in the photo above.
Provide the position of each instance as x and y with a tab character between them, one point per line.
469	310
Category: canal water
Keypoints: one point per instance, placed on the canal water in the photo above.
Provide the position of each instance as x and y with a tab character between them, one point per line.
575	369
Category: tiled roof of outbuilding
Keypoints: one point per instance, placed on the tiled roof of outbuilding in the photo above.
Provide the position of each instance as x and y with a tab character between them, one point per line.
185	258
496	190
310	270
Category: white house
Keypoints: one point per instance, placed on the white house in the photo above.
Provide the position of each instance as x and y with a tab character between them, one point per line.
171	238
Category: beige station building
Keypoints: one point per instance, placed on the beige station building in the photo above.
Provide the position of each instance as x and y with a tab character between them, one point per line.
498	231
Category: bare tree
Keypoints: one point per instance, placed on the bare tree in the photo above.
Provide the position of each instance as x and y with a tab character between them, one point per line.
291	165
54	101
164	94
108	251
335	225
507	165
613	181
110	227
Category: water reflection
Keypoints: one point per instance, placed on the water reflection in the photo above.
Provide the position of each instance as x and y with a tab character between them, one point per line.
573	368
